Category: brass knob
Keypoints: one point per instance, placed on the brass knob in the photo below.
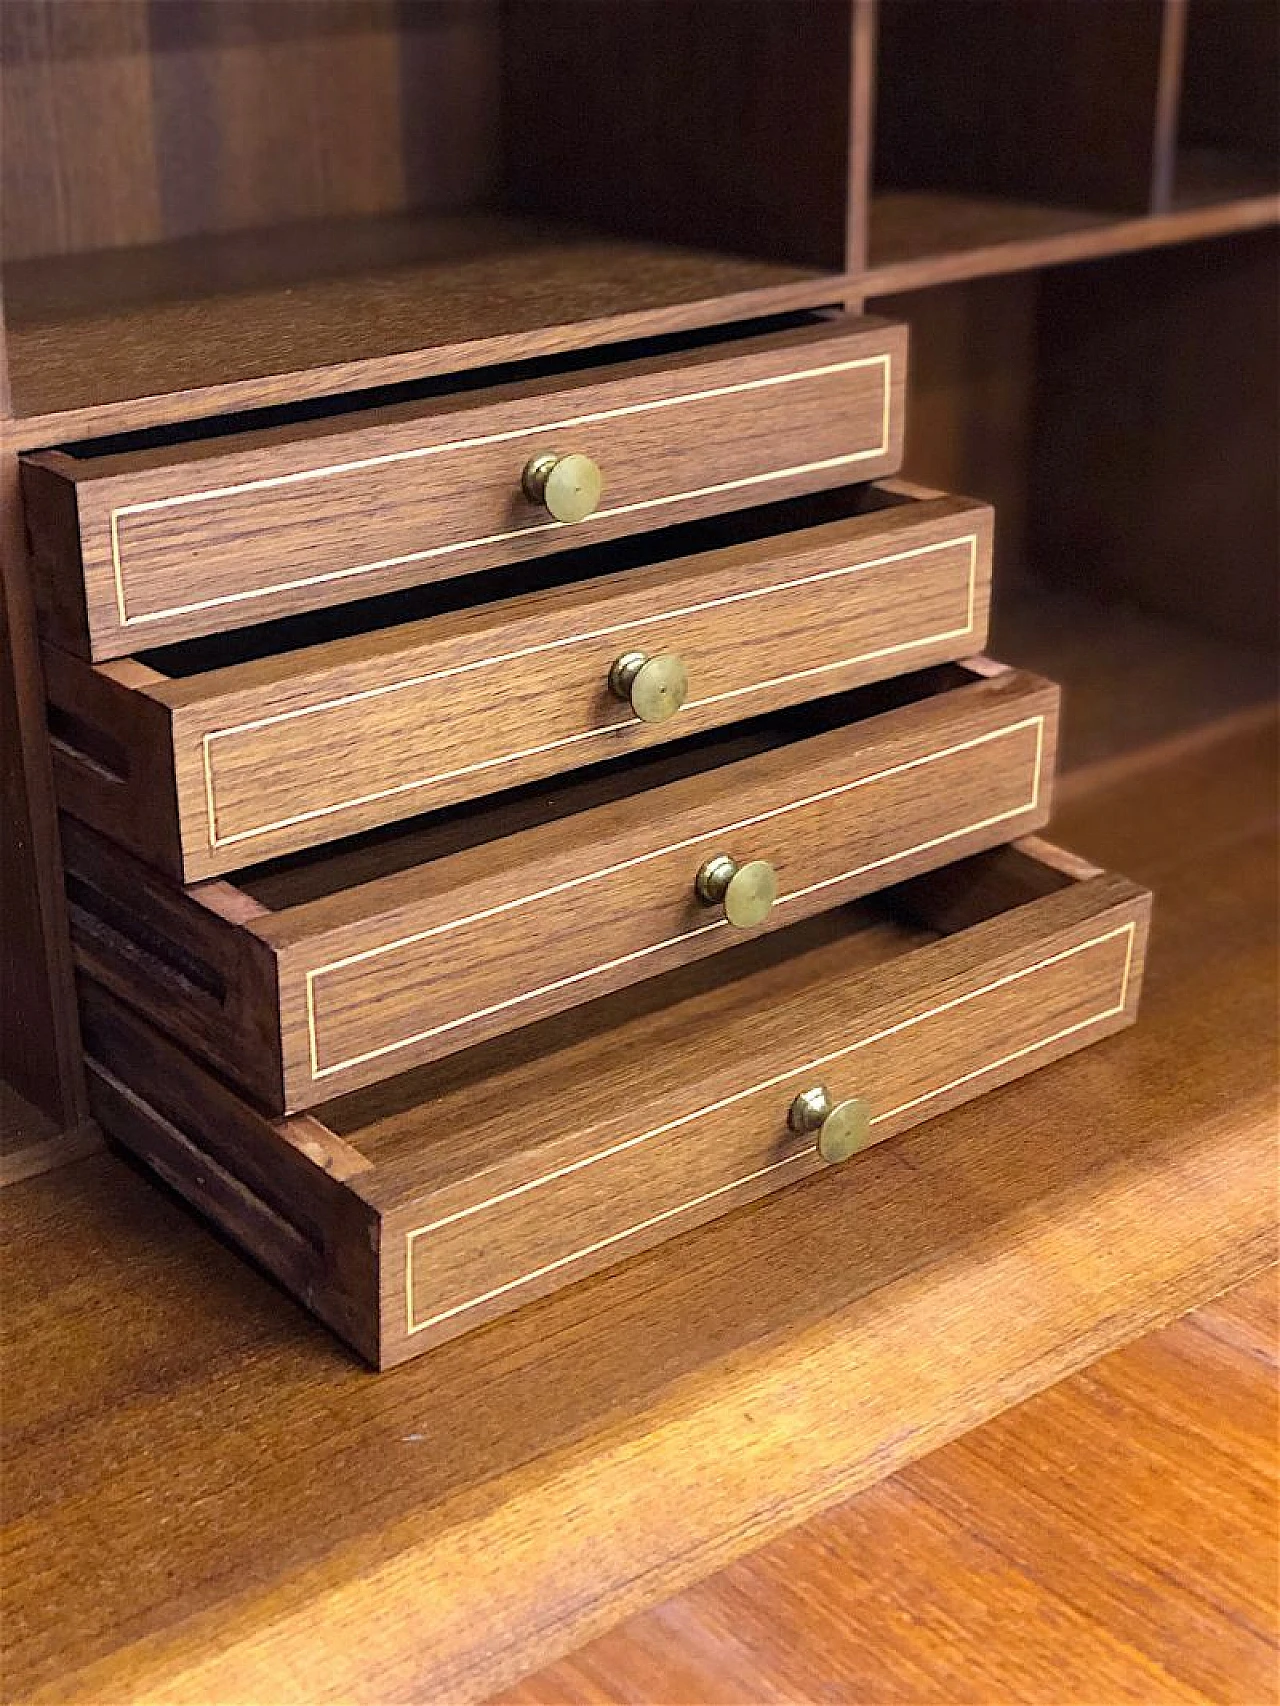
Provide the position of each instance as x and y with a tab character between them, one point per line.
655	687
747	891
568	486
843	1128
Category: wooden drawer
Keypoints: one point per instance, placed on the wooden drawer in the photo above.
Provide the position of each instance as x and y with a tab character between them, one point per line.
409	1213
138	547
331	970
209	757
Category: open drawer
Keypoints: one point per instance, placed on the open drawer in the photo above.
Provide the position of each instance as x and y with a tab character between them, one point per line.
410	1212
156	539
335	968
241	747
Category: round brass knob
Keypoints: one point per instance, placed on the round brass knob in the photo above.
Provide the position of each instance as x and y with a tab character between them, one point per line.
569	487
843	1128
747	891
654	687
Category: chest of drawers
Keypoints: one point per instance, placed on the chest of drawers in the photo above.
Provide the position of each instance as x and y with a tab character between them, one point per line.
447	943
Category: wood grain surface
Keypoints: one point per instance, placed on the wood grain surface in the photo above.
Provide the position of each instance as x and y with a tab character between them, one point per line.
346	968
232	764
441	1530
223	117
570	1152
205	325
39	1038
141	547
743	105
992	1570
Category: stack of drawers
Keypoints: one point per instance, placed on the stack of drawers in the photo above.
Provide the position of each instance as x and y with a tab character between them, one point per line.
507	827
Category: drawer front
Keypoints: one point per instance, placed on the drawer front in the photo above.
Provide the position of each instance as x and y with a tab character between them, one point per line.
270	757
155	549
840	814
315	980
945	1036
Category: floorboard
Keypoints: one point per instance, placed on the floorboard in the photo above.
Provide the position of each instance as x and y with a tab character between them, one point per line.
1112	1539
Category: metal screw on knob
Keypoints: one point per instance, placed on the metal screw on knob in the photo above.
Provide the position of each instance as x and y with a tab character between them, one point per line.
843	1128
747	892
569	488
654	687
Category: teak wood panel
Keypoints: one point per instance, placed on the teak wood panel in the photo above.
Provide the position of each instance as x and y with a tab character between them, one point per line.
355	985
239	764
138	548
130	122
613	1156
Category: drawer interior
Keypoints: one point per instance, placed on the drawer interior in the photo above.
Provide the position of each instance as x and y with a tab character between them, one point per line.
386	1123
579	567
320	872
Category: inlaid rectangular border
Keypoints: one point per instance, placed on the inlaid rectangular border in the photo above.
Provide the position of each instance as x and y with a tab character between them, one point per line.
501	659
1128	930
313	974
267	482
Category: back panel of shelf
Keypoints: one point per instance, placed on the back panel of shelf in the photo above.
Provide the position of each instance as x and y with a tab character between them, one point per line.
1123	416
1229	112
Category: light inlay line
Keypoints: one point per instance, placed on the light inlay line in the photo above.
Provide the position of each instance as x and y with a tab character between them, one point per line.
126	620
793	1075
216	839
313	974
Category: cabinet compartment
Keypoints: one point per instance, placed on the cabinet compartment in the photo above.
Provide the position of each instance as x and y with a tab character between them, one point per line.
1121	417
1007	120
350	192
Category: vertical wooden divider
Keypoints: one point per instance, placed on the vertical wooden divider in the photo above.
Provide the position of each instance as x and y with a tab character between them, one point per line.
1173	40
862	102
39	1032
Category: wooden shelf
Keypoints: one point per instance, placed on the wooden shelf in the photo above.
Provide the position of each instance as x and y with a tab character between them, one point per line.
1131	681
920	238
128	338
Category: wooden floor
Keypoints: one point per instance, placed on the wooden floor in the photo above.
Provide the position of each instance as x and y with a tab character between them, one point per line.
1114	1538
